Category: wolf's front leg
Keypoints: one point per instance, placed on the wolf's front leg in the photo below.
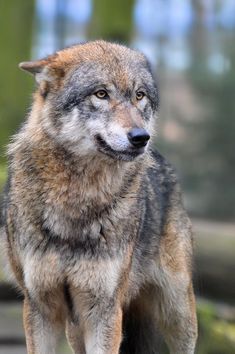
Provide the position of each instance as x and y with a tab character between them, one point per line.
173	279
103	330
74	334
176	311
180	329
42	327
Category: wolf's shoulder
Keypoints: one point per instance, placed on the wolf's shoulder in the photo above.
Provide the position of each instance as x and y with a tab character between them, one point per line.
161	173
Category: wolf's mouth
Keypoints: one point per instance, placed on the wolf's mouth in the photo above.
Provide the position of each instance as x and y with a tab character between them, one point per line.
127	155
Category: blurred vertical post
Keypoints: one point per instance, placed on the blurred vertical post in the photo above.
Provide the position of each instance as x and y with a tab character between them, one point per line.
60	24
199	39
112	20
16	22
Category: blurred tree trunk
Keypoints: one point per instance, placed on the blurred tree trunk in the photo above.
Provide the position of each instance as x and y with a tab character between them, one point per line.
16	23
112	20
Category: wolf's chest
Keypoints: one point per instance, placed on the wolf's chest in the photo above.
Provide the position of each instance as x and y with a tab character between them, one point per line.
88	255
89	231
52	270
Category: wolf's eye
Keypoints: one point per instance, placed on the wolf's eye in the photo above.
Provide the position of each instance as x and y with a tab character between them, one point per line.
101	94
139	95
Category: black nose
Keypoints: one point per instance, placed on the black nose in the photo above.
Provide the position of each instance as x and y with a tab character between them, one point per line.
138	137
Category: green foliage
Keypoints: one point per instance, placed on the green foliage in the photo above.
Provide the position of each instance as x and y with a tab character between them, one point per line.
3	175
16	19
112	20
216	335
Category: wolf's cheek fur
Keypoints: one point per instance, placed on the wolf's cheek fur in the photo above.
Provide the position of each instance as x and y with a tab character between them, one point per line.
79	135
74	134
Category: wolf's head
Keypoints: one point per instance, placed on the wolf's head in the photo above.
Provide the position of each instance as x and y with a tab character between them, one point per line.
96	97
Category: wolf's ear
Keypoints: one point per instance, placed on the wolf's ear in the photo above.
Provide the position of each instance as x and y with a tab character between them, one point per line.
45	73
39	69
33	67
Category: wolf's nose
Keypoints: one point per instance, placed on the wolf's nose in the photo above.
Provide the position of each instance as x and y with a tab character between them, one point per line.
138	137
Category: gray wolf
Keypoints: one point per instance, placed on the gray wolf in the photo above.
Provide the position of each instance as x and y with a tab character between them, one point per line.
93	223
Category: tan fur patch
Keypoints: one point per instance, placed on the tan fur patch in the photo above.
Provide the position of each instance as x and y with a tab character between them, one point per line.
172	251
27	313
128	118
116	333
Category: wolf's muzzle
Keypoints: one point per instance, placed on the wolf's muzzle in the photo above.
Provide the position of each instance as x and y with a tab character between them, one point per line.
138	137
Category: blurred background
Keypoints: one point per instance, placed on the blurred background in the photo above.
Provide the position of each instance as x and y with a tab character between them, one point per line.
191	46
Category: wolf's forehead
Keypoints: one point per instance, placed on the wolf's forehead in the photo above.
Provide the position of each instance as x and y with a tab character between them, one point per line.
98	51
103	61
120	73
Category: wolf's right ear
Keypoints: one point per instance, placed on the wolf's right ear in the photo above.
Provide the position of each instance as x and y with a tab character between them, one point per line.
45	73
38	68
33	67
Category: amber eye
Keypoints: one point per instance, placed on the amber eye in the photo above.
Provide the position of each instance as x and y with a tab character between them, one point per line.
101	94
140	95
